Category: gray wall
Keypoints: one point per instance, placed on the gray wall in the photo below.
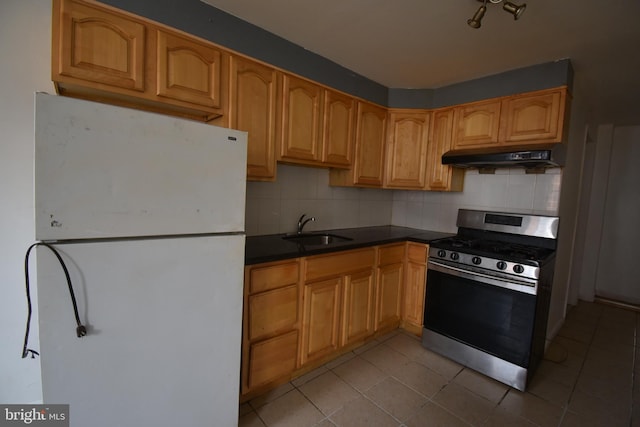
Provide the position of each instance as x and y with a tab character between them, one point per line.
200	19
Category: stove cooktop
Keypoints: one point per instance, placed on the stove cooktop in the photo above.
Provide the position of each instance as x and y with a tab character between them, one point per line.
507	251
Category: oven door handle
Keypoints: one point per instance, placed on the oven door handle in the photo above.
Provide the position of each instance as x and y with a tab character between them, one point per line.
528	288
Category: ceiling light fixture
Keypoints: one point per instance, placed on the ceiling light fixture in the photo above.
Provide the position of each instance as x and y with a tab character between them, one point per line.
514	9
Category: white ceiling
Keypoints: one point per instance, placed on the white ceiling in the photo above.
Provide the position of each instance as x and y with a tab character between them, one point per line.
427	43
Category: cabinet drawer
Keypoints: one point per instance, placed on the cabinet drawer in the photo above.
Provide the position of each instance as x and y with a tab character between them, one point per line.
391	254
272	358
272	276
417	252
335	265
272	311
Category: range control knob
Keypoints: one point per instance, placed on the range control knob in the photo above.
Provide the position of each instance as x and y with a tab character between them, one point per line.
442	253
501	265
454	256
476	260
518	268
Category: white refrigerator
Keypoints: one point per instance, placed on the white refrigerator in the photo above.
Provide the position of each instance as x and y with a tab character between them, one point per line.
147	211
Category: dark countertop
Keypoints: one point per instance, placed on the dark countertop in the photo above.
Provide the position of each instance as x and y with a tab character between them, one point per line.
273	247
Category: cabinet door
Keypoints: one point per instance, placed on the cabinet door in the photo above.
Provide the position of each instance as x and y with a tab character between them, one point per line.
442	177
338	129
476	124
321	319
301	120
187	70
370	143
272	312
252	108
270	359
358	307
536	117
98	46
406	162
415	286
389	296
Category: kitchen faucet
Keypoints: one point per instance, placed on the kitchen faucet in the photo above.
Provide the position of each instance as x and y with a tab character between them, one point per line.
302	223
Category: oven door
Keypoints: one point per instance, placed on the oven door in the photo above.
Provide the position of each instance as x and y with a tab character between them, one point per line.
483	312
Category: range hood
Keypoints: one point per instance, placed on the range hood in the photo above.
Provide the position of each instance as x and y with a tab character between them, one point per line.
543	156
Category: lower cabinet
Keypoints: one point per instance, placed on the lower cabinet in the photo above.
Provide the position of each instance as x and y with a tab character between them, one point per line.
389	292
302	312
414	287
270	333
321	319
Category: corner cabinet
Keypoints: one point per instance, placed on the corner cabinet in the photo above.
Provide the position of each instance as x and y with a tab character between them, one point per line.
370	146
442	177
415	287
390	283
102	53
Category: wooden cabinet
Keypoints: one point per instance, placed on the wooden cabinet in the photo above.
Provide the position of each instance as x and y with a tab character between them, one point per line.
338	302
321	319
442	177
407	145
476	124
187	70
301	124
415	287
317	126
338	129
102	53
358	303
518	120
537	116
252	108
389	287
271	324
370	144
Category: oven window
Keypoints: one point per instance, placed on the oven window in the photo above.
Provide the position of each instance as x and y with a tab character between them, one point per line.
495	320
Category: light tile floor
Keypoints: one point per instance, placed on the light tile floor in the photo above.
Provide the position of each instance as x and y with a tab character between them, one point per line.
586	379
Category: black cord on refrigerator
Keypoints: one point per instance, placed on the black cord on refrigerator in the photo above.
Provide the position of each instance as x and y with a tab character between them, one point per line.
80	329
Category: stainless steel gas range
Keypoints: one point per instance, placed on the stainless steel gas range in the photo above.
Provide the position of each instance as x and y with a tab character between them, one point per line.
488	292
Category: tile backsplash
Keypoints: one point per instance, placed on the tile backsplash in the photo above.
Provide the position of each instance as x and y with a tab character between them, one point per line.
274	207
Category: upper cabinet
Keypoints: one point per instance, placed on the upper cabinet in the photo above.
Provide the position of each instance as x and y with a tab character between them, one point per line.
253	89
526	119
187	70
338	129
442	177
407	145
370	144
301	124
476	124
536	116
317	125
99	52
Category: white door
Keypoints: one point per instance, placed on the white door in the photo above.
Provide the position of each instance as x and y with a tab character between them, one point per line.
164	321
105	171
617	276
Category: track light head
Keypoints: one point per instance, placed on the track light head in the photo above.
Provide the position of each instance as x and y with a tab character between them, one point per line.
513	9
475	21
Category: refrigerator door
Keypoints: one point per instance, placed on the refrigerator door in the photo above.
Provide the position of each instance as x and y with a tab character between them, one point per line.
164	320
105	171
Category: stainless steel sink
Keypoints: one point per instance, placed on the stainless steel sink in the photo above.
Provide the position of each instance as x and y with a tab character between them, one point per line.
315	239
